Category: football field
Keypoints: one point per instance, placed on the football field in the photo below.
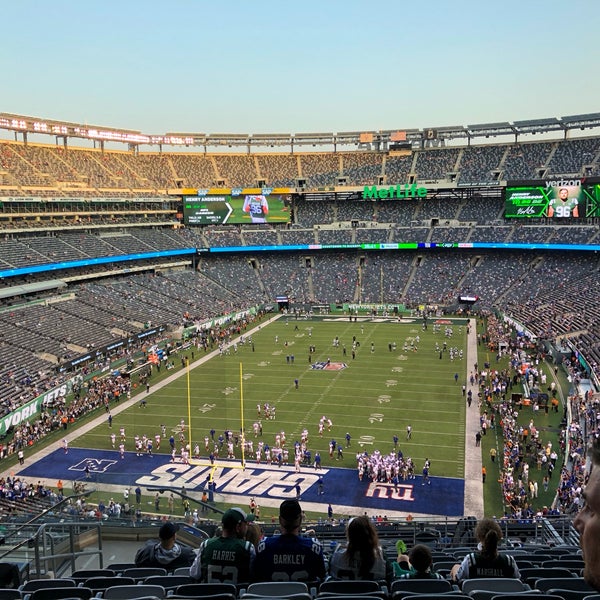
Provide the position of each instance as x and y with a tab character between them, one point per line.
370	379
373	397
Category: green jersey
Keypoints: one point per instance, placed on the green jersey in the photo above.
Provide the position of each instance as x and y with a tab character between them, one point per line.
223	560
564	209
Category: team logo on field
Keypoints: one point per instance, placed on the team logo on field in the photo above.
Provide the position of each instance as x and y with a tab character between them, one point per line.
328	366
95	465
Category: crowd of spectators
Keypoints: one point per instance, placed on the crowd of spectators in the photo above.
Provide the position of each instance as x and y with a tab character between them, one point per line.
41	168
530	463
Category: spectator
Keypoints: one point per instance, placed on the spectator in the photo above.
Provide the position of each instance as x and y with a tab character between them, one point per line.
254	534
587	521
227	558
421	561
401	565
9	576
289	556
167	553
486	562
361	557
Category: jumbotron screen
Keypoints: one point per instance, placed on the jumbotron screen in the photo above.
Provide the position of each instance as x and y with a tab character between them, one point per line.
556	199
227	209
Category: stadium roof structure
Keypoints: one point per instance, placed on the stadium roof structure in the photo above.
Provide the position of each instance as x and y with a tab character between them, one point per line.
377	139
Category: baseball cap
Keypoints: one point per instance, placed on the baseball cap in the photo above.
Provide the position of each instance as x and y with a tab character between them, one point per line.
290	510
233	516
168	530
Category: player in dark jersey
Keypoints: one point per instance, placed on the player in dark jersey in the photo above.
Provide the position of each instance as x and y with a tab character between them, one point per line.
226	559
289	556
257	207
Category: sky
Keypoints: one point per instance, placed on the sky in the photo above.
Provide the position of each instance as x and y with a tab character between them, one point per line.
266	66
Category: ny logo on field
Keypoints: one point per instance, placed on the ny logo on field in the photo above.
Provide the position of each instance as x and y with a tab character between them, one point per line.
95	465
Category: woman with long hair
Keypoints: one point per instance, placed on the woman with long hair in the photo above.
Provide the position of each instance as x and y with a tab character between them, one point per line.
486	561
361	557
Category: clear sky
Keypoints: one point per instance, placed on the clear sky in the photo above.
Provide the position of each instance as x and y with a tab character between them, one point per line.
284	66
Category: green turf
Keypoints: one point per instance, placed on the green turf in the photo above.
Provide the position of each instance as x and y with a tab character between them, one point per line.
375	397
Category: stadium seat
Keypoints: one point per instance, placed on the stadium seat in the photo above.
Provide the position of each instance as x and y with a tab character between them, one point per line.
523	563
60	593
127	592
530	576
279	589
83	574
407	587
169	582
98	584
453	595
208	597
182	571
141	573
494	584
207	589
120	567
36	584
528	595
346	586
10	594
559	551
489	594
573	564
562	583
567	594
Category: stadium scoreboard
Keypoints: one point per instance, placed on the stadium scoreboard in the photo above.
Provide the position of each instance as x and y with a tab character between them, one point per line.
235	206
553	198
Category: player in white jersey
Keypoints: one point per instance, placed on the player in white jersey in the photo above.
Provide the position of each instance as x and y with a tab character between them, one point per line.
122	433
257	207
122	450
113	439
139	449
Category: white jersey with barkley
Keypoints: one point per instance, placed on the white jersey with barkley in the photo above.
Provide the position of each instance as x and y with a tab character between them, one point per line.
289	557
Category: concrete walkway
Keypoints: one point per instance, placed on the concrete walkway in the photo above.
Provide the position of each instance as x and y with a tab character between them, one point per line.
473	460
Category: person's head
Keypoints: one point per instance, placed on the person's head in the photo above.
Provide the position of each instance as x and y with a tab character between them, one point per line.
488	534
235	522
587	521
167	534
563	194
420	558
362	539
253	534
290	516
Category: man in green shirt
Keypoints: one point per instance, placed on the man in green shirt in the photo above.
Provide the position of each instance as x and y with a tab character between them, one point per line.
226	559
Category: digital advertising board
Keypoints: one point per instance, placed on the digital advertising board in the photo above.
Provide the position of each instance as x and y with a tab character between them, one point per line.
244	209
552	199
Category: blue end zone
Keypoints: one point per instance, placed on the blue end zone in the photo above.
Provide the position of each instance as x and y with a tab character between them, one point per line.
341	487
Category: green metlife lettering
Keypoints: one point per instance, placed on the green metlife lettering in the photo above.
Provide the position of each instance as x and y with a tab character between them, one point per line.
394	191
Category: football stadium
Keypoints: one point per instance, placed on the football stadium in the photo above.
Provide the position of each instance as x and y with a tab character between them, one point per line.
361	364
